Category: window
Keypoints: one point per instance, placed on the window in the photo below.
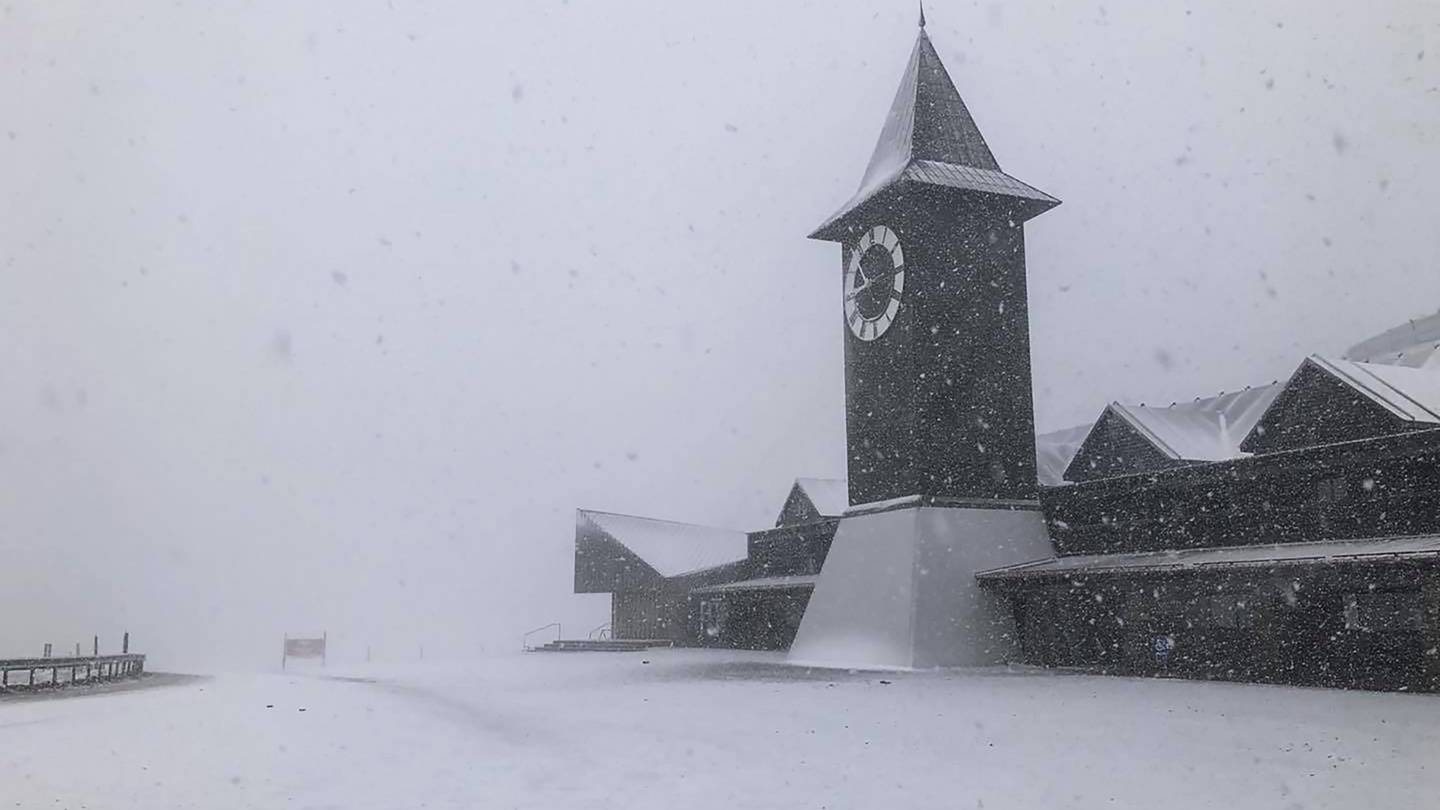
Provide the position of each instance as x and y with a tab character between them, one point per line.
1331	490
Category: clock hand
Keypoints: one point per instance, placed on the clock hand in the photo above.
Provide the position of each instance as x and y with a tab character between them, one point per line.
857	290
869	282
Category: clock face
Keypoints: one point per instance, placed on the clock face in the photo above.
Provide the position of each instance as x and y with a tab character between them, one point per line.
874	282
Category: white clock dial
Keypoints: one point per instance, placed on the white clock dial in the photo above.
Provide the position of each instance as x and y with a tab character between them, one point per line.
874	283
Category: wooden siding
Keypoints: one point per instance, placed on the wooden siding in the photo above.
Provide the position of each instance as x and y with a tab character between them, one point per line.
1317	409
791	550
659	613
604	566
760	620
1114	447
1374	487
798	509
1270	626
942	404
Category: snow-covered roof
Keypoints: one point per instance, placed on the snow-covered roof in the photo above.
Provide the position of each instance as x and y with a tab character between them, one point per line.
1055	450
928	121
1208	429
1413	394
1197	559
1415	344
830	496
929	137
762	584
671	548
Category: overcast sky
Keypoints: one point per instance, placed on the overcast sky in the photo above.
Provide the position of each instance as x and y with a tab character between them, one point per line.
326	315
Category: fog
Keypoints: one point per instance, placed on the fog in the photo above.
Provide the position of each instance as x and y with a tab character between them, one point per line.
326	316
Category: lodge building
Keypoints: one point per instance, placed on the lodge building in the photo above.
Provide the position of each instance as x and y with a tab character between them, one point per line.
695	585
1289	532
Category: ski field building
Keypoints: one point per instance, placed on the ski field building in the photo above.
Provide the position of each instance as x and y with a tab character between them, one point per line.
1287	532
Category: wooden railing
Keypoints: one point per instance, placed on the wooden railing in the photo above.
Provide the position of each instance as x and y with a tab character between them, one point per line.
56	672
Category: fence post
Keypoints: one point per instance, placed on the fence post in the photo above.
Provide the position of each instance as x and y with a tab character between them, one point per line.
97	647
125	645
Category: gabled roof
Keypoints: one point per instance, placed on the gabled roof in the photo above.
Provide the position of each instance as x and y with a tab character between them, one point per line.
1415	344
1129	439
670	548
1329	401
813	499
1208	429
829	496
1412	394
930	138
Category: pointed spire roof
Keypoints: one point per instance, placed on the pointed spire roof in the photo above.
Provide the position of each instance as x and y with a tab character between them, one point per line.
930	137
928	121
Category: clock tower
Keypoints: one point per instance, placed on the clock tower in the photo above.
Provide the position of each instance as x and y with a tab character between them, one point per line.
937	344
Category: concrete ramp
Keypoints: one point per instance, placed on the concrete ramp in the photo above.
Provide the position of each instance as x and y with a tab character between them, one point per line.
898	589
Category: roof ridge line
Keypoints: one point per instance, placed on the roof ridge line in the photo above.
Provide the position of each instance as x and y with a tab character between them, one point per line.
1367	368
588	512
1334	370
1146	432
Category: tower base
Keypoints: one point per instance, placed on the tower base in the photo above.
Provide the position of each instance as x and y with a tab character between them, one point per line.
898	589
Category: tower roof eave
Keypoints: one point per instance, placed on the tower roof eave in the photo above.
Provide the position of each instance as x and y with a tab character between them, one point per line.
994	185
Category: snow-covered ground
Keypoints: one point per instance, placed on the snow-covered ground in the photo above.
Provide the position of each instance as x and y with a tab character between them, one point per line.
698	729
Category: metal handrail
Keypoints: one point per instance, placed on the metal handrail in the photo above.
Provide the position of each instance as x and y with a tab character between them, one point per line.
103	667
68	661
600	633
525	639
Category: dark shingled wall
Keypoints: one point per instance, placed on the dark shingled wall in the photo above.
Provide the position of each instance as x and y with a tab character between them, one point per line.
1114	447
1315	409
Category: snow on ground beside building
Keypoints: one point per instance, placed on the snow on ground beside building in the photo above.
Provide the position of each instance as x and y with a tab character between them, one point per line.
705	729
